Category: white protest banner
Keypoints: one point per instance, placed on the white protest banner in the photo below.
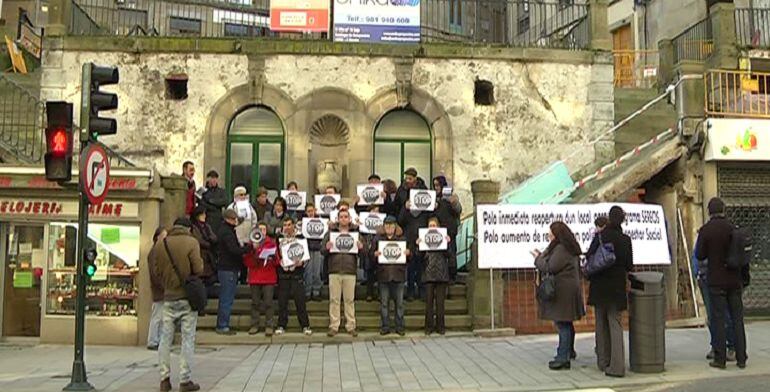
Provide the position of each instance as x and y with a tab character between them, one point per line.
370	222
294	251
422	199
370	194
295	200
508	233
391	252
432	239
314	228
325	204
344	242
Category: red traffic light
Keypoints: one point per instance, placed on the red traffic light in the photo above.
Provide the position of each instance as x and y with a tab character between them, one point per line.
58	141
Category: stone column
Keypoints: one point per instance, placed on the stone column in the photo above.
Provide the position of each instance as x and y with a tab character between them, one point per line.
666	72
725	55
601	39
479	294
59	17
690	102
173	205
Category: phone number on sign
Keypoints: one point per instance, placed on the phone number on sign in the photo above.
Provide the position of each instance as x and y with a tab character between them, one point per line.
383	19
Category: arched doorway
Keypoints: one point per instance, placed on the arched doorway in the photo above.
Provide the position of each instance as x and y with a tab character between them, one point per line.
402	139
255	151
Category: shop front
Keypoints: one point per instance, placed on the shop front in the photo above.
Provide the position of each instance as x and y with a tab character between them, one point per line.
737	170
38	235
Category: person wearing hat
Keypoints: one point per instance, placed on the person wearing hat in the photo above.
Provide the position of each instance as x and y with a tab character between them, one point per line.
247	216
214	199
725	284
411	181
231	252
607	294
177	254
390	278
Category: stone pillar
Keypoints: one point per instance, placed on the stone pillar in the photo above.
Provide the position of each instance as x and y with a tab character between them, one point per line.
666	72
59	17
601	98
725	55
479	294
601	39
690	102
173	205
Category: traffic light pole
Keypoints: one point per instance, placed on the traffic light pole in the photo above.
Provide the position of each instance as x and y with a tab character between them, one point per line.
79	379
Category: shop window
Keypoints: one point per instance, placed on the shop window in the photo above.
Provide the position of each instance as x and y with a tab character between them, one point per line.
113	289
255	151
402	139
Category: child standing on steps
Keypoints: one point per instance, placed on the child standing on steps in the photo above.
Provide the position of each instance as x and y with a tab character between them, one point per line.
262	278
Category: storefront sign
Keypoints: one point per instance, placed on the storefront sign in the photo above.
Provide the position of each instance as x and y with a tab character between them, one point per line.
377	21
39	182
31	208
738	140
22	279
300	16
507	233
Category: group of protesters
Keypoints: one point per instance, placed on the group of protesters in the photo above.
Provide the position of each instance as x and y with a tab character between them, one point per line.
224	241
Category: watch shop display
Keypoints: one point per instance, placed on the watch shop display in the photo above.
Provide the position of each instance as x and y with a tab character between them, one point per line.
112	290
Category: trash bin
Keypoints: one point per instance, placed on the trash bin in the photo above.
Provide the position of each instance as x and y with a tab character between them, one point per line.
647	323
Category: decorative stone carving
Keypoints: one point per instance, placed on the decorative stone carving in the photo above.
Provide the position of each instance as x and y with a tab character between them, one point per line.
404	81
329	131
328	173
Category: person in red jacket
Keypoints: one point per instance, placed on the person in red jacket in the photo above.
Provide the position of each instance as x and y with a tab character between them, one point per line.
262	278
188	171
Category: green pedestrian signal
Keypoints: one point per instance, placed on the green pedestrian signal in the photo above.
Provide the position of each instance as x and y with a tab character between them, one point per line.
89	265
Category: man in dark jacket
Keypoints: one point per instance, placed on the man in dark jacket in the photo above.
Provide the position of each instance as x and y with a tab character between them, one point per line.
290	284
175	258
412	221
230	262
214	199
448	211
607	293
342	278
390	278
262	205
313	267
725	284
411	181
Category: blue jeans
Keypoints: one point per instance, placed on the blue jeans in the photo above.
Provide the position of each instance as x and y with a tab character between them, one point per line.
174	311
394	291
313	267
156	324
228	283
566	340
729	325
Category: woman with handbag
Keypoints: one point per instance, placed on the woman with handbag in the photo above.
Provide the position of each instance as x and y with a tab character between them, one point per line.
607	293
560	298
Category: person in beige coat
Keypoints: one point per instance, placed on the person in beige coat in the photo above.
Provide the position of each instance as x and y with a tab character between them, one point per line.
562	260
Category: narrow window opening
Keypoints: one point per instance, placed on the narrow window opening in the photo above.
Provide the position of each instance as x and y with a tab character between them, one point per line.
176	86
484	93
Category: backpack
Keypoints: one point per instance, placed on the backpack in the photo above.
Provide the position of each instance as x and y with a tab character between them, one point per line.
739	252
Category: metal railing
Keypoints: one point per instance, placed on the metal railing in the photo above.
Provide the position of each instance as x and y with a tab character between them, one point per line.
737	93
519	23
21	122
635	68
752	27
696	43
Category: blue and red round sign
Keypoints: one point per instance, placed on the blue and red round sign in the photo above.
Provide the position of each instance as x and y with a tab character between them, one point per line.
94	173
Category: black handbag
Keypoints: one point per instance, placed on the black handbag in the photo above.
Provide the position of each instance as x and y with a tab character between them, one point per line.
193	285
546	289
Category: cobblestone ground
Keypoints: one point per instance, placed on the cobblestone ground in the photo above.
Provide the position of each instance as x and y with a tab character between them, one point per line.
461	363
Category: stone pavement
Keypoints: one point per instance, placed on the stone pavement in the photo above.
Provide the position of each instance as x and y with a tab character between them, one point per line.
418	363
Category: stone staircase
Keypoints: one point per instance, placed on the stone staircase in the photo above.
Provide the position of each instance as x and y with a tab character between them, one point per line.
367	313
643	128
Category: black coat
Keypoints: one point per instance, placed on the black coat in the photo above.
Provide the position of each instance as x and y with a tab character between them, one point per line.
567	305
448	215
230	250
714	244
388	272
214	199
402	196
608	288
412	225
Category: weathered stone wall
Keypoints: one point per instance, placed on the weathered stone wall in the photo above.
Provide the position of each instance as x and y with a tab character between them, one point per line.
543	111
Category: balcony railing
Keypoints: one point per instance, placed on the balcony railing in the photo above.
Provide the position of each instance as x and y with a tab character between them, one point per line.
635	68
738	94
752	27
21	122
695	44
519	23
